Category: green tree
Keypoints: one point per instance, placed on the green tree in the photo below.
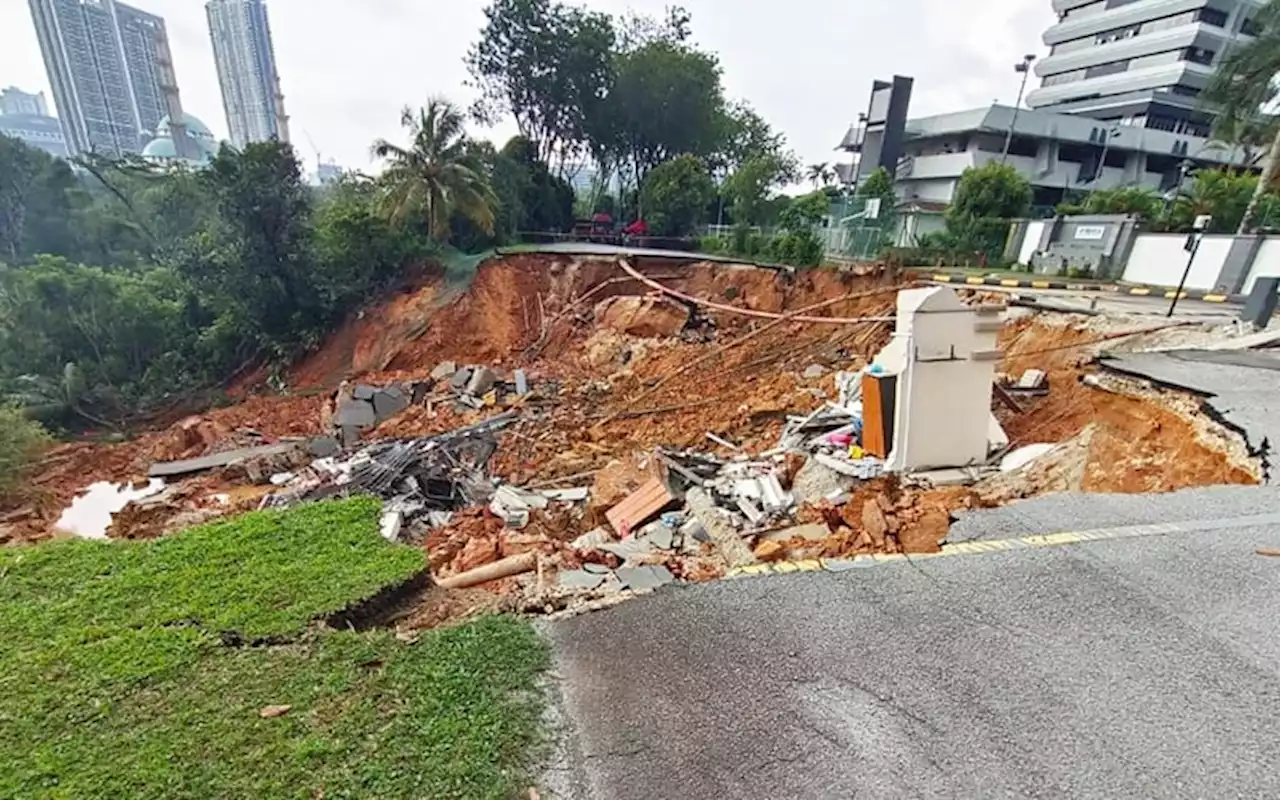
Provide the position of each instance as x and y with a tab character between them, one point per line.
94	343
1142	203
817	174
879	184
547	65
39	197
987	198
675	196
255	266
805	213
1241	85
22	441
546	200
750	186
1223	194
436	175
745	135
666	101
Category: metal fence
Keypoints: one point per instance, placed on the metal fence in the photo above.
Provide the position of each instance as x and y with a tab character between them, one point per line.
851	235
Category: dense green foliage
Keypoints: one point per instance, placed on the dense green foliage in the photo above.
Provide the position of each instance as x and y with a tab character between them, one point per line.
1242	86
987	198
675	196
1144	204
169	280
139	669
22	441
438	175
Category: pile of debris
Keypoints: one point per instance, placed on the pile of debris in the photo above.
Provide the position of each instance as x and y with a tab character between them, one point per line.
359	409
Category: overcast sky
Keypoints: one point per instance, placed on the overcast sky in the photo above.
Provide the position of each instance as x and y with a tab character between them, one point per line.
348	66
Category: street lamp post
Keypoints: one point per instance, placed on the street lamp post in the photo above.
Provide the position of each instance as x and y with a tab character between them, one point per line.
1107	136
1025	68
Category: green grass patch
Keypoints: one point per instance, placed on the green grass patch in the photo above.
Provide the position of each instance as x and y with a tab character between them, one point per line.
117	679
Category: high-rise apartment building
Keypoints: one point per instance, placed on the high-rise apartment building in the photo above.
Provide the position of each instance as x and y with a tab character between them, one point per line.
1139	63
111	71
246	62
15	101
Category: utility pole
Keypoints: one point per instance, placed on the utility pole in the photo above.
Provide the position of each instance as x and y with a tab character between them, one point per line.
1107	135
1025	68
1192	246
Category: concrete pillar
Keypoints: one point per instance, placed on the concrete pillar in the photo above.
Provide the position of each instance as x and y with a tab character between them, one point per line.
1240	258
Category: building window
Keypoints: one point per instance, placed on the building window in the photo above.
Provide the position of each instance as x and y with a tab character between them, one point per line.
1110	68
1250	27
1212	16
1199	55
1063	77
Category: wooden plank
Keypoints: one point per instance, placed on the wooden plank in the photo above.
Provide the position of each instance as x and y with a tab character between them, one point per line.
641	506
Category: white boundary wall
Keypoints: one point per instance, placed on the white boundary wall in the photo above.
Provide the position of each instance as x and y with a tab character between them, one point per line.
1158	259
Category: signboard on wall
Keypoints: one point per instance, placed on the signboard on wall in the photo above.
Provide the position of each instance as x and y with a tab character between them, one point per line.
1091	233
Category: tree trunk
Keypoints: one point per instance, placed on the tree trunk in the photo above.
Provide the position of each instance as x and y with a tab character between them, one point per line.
1264	182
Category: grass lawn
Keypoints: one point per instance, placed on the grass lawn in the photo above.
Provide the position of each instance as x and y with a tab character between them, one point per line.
139	669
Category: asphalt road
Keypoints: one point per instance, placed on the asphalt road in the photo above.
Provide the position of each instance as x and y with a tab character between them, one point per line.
1126	667
1120	303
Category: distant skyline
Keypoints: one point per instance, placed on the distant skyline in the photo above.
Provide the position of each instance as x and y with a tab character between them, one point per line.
348	67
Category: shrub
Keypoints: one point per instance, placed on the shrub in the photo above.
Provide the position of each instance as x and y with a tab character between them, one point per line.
22	440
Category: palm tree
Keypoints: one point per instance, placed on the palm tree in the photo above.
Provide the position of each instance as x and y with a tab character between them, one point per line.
818	174
1243	83
437	175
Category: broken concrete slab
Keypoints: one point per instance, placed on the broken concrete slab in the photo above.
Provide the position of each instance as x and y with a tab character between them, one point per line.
444	370
639	579
591	540
1031	379
728	542
815	482
814	371
863	469
522	383
574	495
628	549
581	579
482	380
389	402
323	446
363	392
461	378
356	413
165	469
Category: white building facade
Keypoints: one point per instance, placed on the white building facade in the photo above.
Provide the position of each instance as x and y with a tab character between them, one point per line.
1141	63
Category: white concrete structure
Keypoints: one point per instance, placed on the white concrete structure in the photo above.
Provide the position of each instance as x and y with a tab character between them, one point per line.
1141	63
944	355
247	73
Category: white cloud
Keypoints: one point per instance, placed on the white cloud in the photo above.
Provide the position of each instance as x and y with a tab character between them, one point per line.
348	66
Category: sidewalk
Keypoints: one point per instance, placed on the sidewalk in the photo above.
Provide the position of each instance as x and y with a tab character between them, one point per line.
1074	285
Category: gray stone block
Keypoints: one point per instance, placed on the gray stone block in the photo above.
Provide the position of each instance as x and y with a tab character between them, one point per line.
356	413
363	392
323	446
461	378
389	402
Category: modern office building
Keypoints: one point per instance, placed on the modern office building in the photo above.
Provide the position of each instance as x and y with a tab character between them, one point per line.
246	61
112	73
15	101
1062	155
1139	63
